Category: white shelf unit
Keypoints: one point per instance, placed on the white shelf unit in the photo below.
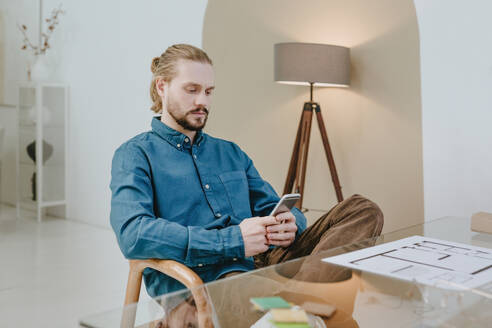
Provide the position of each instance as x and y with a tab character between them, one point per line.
43	123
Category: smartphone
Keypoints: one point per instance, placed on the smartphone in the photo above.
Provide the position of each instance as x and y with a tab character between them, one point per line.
285	204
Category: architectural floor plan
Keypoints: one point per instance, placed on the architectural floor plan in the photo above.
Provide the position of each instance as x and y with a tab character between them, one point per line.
425	260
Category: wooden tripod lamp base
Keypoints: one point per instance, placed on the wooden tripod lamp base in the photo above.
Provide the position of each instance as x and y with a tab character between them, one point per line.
296	176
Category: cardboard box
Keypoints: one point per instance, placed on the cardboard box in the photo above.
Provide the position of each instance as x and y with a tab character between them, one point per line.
482	222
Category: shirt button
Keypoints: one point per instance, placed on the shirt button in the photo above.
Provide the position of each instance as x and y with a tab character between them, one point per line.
179	145
200	264
207	186
186	139
194	156
218	215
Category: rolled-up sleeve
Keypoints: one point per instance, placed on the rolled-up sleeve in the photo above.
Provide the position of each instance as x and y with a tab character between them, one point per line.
142	235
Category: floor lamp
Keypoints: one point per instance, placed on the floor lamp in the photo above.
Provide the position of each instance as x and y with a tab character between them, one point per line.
313	65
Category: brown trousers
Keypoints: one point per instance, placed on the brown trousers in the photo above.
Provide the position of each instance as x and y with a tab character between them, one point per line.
352	220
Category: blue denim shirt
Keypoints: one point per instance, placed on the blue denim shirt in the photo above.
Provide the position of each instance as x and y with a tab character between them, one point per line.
174	200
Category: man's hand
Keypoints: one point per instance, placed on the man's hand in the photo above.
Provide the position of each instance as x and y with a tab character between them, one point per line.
254	234
282	234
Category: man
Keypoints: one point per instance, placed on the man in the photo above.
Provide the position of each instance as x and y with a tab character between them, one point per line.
181	194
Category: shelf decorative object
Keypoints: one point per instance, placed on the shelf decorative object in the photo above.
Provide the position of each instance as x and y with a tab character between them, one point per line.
41	68
31	152
42	148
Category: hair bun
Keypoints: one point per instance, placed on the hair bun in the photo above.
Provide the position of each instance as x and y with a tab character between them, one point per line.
155	63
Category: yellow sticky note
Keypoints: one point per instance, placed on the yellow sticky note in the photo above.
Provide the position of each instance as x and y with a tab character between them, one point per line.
289	315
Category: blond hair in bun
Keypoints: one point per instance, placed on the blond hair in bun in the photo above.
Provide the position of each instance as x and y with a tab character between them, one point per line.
155	63
165	67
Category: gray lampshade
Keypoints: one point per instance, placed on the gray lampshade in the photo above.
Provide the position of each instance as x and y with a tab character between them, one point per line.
305	63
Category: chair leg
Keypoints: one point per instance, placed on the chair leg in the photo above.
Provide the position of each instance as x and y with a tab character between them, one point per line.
204	310
132	295
133	286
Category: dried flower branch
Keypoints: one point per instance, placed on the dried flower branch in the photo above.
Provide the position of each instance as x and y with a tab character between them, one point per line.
53	20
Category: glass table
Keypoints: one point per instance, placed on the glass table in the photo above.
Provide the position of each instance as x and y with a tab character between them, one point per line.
361	299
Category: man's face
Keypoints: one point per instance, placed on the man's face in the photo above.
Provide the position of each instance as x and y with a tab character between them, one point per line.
187	97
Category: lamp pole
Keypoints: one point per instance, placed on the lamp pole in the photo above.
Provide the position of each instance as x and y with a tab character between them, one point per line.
311	84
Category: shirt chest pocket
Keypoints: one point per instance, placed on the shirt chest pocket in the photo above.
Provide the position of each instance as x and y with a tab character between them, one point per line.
237	192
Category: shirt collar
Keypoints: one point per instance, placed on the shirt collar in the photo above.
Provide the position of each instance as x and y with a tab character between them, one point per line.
175	138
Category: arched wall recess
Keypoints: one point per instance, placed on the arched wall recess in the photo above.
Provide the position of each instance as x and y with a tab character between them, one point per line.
375	126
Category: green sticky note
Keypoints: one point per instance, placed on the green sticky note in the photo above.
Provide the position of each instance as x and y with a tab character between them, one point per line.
267	303
291	324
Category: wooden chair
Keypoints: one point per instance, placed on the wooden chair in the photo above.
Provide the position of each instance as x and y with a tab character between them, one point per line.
175	270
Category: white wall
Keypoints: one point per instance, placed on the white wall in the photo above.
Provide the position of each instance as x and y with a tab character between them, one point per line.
456	70
8	120
12	70
13	13
103	50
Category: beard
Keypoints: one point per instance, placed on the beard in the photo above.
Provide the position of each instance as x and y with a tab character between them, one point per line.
186	120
